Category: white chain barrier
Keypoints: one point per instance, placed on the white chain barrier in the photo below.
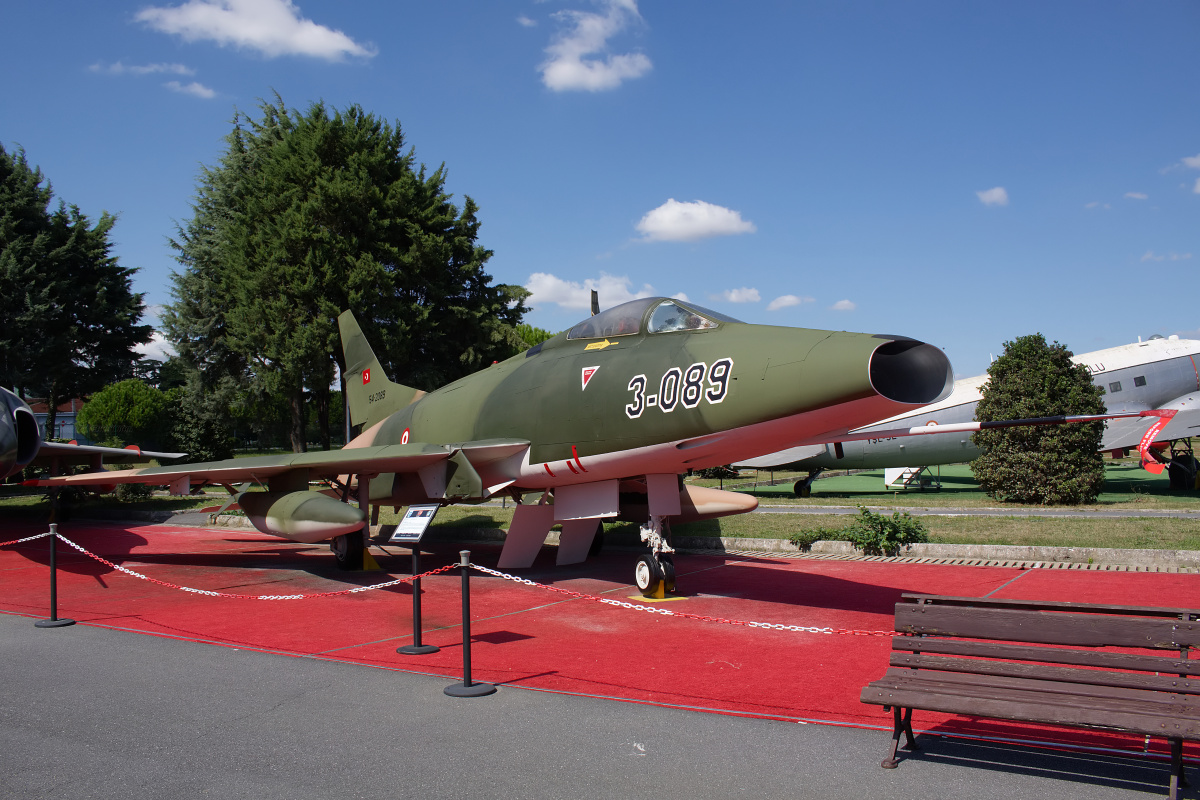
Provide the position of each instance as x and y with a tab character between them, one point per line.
666	612
26	539
209	593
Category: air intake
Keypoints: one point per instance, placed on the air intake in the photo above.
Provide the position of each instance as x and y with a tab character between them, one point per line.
908	371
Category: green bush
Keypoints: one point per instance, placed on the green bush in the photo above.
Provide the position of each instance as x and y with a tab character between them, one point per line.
877	535
804	539
873	534
133	492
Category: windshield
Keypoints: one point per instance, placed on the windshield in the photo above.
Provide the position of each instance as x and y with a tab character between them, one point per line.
621	320
670	315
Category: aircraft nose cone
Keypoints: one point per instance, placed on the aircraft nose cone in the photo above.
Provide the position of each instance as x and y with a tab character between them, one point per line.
908	371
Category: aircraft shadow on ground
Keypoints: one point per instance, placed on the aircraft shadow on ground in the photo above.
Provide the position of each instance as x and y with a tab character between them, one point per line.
747	578
737	577
1129	773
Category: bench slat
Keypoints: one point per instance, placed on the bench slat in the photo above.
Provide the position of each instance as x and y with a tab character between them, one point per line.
1088	630
1033	605
1057	691
1090	677
1048	655
1031	707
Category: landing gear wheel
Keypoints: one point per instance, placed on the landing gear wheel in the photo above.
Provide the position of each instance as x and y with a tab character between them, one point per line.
648	575
668	567
802	489
348	550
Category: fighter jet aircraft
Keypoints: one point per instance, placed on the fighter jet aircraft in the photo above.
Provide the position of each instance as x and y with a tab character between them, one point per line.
1159	373
596	423
21	444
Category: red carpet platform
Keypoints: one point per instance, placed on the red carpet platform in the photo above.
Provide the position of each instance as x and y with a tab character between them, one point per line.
530	637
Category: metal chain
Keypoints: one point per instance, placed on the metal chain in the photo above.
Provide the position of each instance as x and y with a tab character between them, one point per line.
26	539
209	593
666	612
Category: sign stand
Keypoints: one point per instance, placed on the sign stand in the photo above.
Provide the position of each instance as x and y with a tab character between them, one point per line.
409	531
416	648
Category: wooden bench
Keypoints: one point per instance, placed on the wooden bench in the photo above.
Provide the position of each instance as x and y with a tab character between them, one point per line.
1025	661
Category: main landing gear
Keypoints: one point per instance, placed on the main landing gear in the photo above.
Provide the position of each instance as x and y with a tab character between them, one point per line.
654	573
348	550
803	487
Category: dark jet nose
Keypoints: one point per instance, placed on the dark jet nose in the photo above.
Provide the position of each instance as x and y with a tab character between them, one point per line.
908	371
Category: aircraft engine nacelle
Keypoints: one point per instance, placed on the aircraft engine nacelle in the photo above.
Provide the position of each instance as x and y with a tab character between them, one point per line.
19	436
300	516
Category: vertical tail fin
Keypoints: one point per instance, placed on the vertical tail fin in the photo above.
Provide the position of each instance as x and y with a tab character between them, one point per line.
369	393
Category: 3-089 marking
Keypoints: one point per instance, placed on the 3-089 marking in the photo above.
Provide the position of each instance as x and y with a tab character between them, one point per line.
682	387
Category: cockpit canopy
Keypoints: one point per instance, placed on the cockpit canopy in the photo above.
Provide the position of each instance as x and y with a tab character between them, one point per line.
667	315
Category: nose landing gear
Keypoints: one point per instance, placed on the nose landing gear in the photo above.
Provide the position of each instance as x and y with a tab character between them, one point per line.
654	573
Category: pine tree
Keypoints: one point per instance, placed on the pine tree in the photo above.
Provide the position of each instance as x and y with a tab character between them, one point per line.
310	214
1045	464
69	319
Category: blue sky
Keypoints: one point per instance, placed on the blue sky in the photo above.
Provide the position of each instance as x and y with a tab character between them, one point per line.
963	173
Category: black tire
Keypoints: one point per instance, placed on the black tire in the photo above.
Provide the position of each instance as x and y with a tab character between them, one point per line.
802	489
648	576
348	551
1181	472
668	568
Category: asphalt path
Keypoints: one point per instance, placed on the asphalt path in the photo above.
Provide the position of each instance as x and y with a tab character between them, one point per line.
90	712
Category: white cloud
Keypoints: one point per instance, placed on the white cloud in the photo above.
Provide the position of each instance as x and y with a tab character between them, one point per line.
612	289
526	22
578	58
1196	188
787	300
995	196
742	295
119	68
271	27
1137	196
157	348
193	88
1192	161
843	305
1096	204
685	222
1151	256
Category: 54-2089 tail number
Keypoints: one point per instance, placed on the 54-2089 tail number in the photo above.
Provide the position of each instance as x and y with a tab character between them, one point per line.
681	387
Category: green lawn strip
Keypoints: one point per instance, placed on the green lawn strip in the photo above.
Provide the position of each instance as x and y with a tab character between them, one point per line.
1132	533
1127	486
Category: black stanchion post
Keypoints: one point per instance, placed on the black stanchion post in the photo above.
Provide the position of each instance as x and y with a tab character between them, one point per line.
416	648
54	621
467	688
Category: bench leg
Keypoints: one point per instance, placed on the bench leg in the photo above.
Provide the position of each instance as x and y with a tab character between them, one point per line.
901	723
1177	776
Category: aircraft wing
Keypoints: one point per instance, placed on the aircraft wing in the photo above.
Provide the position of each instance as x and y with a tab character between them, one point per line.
1145	420
1129	432
495	462
789	456
87	454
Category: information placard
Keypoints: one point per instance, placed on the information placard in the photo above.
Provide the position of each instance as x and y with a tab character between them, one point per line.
412	527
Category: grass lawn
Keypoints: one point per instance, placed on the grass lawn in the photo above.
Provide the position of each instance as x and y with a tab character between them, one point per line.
1127	486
